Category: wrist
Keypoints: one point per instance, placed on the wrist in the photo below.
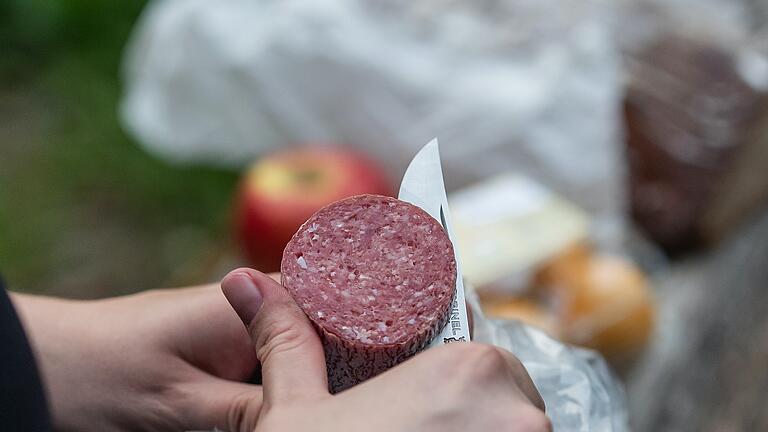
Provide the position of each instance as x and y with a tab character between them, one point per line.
49	326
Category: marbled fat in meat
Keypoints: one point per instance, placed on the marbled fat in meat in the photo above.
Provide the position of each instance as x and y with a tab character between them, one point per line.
376	276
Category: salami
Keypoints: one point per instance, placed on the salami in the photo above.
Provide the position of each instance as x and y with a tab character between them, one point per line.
376	276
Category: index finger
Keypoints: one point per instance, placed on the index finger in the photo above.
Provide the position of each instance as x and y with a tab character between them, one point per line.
523	379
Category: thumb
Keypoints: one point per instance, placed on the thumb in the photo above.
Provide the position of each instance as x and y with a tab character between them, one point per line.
286	344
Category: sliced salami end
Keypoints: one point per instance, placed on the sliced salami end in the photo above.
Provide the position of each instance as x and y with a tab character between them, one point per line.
376	276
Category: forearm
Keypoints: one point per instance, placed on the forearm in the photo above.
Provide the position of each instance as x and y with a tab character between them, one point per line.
47	322
52	325
88	367
43	316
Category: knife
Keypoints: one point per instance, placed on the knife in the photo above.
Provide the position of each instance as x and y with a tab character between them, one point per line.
423	186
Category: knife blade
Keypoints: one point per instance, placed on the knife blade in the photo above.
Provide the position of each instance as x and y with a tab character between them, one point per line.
423	186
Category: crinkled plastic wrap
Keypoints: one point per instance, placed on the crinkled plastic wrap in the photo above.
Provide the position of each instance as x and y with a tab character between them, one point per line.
579	390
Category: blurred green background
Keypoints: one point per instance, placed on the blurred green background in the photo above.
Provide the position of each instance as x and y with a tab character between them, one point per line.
84	211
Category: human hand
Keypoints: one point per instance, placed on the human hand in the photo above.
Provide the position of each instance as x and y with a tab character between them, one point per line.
155	361
488	389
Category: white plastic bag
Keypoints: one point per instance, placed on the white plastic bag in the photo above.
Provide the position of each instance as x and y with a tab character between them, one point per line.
579	390
507	85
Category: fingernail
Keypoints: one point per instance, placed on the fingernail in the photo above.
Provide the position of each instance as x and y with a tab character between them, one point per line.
243	294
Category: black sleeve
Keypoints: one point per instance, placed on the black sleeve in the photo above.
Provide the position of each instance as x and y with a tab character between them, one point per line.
22	398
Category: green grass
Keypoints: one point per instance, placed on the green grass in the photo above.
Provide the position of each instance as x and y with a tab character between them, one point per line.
75	190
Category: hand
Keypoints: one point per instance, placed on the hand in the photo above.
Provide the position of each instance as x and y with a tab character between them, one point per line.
165	360
488	389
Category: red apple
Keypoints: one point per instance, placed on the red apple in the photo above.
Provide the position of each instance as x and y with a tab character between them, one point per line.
282	190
